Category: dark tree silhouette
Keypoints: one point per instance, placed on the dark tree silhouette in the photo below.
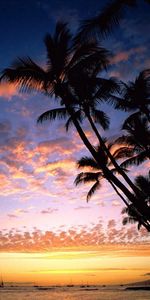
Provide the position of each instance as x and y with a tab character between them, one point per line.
143	182
136	95
68	67
136	139
105	21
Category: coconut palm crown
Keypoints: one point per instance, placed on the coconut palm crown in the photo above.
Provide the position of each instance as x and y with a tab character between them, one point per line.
136	95
143	182
137	138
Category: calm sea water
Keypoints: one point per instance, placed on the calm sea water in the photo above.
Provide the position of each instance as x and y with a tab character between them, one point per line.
75	293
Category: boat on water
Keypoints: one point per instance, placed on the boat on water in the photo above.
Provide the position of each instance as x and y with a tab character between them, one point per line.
70	285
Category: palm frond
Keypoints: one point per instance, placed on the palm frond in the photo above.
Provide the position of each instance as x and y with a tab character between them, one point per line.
89	51
129	220
136	95
107	87
93	189
135	160
137	135
53	114
123	152
130	119
78	115
139	225
93	60
87	162
135	121
101	118
104	23
125	210
58	49
143	183
86	177
26	74
132	217
127	140
69	123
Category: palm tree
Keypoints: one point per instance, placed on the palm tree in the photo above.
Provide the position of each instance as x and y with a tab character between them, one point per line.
131	217
143	182
88	91
136	95
95	175
64	63
137	139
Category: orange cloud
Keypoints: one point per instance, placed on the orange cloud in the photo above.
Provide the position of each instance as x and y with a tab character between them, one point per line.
96	236
8	90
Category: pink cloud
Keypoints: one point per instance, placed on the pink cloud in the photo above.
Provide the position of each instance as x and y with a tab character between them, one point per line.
119	57
116	203
82	207
12	216
123	56
49	210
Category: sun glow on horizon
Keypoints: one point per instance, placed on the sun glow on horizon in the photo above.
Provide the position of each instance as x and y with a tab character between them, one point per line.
107	265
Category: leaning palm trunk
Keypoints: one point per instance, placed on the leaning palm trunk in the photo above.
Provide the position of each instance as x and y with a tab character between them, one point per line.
142	209
139	216
112	159
120	195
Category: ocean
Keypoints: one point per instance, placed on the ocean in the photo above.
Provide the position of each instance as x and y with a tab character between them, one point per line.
72	293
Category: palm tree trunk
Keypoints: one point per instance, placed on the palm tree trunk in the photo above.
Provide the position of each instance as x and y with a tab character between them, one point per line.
124	175
139	216
107	173
117	192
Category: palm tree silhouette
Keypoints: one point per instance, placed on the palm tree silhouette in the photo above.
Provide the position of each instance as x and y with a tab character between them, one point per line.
143	182
136	139
67	68
95	175
105	21
136	95
87	91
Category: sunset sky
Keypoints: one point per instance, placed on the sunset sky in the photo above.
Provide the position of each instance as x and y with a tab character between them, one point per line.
48	233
